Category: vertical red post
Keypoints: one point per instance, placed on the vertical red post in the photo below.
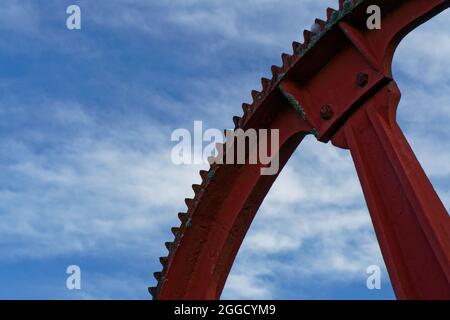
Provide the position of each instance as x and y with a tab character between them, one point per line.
411	223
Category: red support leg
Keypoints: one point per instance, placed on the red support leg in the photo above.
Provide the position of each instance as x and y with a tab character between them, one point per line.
411	223
318	81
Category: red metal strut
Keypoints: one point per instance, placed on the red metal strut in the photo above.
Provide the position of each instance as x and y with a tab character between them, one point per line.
338	86
411	223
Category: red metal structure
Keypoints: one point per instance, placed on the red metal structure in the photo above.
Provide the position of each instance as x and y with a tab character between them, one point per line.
338	86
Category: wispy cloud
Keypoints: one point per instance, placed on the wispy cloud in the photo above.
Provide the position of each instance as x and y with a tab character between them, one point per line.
85	142
321	227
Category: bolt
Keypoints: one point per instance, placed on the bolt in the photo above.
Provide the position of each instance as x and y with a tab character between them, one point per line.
362	79
326	112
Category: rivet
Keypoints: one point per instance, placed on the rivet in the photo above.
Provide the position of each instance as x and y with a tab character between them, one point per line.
362	79
326	112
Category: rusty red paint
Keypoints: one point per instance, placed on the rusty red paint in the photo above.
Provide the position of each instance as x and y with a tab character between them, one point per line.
411	223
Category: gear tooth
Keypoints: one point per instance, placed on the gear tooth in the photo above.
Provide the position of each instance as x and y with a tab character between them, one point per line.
163	261
296	46
236	121
204	175
247	108
189	202
286	58
182	216
331	13
176	232
265	84
169	245
153	292
256	95
299	47
197	188
276	70
307	36
277	73
320	23
158	276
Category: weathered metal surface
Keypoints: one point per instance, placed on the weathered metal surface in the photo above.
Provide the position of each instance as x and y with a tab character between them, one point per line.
338	86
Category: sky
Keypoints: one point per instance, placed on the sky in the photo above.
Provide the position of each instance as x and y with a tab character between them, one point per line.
86	118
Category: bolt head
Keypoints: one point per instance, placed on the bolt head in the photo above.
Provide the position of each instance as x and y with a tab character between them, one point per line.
326	112
362	79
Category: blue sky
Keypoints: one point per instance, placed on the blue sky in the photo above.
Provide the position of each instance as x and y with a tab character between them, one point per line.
85	123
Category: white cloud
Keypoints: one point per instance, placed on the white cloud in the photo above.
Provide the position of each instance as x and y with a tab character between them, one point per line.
324	231
246	286
315	214
18	16
92	190
425	51
111	187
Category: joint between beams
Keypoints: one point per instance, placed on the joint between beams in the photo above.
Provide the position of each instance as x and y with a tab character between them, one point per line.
298	108
361	44
293	102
